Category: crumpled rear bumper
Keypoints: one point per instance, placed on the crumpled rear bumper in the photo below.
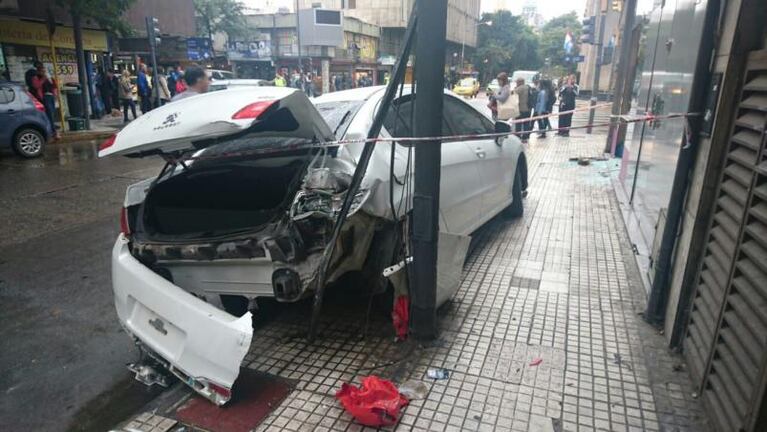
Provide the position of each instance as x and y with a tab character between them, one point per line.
198	342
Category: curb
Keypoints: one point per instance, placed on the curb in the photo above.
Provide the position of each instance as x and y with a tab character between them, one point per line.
69	137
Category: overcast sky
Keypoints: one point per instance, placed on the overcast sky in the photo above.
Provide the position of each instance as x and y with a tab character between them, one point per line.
547	8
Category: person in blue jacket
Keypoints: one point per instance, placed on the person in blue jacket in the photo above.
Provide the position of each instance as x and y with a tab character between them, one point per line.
144	91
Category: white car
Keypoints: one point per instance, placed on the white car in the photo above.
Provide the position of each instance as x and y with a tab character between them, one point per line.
218	74
249	216
238	83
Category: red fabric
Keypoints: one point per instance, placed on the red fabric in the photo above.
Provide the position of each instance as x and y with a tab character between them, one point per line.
376	403
400	316
180	86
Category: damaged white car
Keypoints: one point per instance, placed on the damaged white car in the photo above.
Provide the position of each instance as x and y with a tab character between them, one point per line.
246	204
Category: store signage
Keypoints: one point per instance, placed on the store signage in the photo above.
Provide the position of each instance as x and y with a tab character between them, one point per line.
65	60
36	34
198	49
254	50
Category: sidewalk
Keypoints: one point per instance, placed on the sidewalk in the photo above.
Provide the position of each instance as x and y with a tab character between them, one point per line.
559	285
100	129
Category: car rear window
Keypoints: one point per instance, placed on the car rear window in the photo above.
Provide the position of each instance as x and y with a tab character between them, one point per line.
338	115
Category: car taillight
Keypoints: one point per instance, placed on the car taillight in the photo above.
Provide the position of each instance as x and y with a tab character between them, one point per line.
108	142
38	106
223	393
253	110
124	226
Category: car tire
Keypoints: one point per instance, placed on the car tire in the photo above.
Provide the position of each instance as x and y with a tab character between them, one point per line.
29	143
516	209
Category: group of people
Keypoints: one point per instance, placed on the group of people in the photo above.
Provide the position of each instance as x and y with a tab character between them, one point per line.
116	90
536	101
311	84
44	89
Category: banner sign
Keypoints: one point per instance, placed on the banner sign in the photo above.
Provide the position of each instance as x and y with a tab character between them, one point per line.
198	49
36	34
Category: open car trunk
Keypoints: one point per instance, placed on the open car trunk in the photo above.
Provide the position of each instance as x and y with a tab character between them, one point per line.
221	199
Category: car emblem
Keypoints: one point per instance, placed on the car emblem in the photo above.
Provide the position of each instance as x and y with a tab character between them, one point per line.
170	121
158	325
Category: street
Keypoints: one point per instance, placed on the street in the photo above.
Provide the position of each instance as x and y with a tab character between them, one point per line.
62	343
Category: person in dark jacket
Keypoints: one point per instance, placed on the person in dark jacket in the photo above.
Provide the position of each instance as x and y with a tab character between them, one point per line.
567	95
104	85
144	90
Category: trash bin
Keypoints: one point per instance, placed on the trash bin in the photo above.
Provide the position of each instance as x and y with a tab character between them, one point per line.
73	94
76	123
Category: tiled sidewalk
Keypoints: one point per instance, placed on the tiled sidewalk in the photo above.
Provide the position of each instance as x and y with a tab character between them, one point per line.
558	285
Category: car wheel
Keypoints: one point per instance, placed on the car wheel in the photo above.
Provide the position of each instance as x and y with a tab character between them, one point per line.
28	143
516	209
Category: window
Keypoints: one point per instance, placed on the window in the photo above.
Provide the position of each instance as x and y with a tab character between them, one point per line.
327	17
6	95
399	122
465	119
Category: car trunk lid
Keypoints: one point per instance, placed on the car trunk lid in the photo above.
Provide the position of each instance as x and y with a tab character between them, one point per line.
209	119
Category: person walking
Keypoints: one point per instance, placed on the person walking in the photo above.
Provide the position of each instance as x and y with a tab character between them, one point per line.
525	107
542	107
197	82
125	93
144	91
44	90
105	90
503	94
161	94
566	103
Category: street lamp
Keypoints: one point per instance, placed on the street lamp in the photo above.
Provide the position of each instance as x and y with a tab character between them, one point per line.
463	38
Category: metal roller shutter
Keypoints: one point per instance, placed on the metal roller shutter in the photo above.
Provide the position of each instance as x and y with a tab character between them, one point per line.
726	340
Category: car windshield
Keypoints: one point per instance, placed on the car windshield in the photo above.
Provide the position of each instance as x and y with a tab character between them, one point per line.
338	115
467	82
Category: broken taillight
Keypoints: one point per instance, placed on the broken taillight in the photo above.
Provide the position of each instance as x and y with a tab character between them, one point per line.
109	142
224	394
124	226
253	110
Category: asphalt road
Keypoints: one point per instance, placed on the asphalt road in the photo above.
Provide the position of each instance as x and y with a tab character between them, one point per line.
62	348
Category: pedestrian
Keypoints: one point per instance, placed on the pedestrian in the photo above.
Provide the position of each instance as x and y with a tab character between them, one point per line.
338	81
161	94
125	93
533	99
279	81
171	80
105	89
567	96
144	91
44	90
30	73
523	126
503	94
197	82
542	107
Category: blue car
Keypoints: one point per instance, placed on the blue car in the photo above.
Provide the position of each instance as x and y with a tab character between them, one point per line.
23	124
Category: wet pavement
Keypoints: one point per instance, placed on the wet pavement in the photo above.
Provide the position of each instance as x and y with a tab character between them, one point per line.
62	346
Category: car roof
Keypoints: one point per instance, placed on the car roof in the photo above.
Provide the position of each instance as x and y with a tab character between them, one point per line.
12	83
357	94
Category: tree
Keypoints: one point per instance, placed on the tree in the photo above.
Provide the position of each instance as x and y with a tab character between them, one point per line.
220	16
108	14
508	44
551	47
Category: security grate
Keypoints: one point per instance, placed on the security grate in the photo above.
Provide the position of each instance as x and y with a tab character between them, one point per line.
726	341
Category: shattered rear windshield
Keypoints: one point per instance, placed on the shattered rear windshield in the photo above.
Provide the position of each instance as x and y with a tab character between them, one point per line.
338	115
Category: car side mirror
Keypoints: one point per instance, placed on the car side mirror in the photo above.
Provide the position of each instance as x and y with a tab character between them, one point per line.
501	127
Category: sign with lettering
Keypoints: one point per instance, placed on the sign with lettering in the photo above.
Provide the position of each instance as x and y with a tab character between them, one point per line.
36	34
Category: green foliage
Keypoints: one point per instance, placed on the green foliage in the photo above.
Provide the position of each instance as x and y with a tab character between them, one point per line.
551	48
220	16
107	13
507	45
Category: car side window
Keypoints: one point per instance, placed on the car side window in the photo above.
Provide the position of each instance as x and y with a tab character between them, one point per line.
465	119
7	95
399	119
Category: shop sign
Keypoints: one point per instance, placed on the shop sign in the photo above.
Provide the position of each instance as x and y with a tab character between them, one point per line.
36	34
255	50
198	49
66	60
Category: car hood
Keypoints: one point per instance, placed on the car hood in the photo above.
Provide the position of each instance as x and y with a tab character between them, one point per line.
199	121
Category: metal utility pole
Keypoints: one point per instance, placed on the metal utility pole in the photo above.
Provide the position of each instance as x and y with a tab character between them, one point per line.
600	31
430	68
622	71
81	78
298	38
153	33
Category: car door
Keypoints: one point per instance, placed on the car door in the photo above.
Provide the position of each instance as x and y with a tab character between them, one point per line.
459	178
487	156
9	114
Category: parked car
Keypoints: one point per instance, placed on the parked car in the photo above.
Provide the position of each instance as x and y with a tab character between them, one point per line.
238	83
217	74
528	76
250	214
467	87
23	124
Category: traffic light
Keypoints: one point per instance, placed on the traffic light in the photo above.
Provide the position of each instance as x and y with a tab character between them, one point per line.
587	31
153	30
616	5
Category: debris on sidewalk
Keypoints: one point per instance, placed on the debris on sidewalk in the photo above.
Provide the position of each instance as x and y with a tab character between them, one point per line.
438	373
536	361
414	389
376	403
620	362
